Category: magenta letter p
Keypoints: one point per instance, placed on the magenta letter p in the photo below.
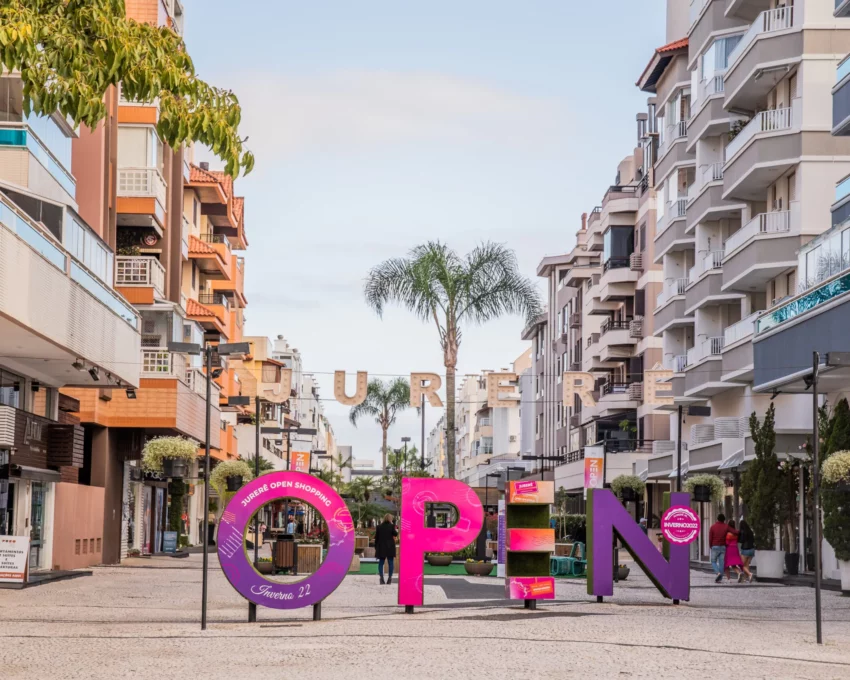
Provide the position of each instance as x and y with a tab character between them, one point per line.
417	539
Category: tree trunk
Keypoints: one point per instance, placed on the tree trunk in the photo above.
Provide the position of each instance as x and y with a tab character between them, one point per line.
384	429
450	419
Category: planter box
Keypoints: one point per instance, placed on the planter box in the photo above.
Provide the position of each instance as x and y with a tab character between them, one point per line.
770	563
439	560
479	568
360	544
265	567
368	552
355	564
309	557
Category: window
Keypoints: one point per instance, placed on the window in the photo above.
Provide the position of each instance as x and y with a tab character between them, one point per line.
790	283
10	389
85	245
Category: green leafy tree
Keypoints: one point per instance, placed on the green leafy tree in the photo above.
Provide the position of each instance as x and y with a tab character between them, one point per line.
69	52
384	401
448	290
362	488
838	438
176	491
762	483
265	466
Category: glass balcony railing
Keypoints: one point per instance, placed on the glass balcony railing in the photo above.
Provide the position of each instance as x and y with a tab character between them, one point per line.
842	70
842	189
23	136
804	303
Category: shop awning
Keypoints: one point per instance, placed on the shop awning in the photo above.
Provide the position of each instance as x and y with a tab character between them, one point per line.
684	470
643	475
35	474
733	461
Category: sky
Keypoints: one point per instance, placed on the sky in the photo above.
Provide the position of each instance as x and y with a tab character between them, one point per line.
378	125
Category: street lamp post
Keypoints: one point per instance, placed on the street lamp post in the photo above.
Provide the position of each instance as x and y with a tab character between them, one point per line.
232	349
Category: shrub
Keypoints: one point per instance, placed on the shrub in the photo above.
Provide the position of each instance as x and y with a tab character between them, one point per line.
836	469
718	488
761	484
159	448
628	482
836	504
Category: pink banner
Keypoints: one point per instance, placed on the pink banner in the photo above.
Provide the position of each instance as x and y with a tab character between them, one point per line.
531	492
530	588
531	540
416	539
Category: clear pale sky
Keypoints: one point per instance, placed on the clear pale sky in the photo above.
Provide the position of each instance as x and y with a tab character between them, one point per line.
378	125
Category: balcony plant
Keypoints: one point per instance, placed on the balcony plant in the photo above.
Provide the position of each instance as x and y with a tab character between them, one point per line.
706	488
630	488
761	488
736	127
836	511
169	455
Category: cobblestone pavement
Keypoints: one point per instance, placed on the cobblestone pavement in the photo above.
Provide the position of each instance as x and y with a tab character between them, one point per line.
143	621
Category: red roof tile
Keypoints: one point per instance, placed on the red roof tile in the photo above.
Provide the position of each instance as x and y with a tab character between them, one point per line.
194	308
196	245
675	45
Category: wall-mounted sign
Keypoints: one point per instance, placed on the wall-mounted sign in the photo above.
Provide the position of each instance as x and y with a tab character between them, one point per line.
594	467
299	461
150	239
235	521
14	559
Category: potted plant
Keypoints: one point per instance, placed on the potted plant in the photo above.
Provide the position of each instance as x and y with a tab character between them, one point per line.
628	487
236	470
478	567
439	559
761	489
836	511
265	565
705	488
169	455
623	572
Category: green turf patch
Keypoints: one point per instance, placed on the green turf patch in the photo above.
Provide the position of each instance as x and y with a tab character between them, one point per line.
451	570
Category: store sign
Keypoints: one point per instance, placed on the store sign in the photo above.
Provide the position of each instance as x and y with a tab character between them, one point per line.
235	522
299	461
680	525
606	517
594	461
14	559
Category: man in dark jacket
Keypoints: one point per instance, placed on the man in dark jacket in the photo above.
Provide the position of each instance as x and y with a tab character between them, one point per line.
385	546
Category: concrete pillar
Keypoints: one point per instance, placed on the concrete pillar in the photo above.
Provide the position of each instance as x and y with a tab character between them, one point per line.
107	471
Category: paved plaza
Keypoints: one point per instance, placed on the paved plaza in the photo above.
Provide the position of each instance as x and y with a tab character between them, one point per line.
143	621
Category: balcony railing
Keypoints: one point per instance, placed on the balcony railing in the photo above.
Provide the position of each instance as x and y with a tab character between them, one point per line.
141	182
707	348
842	70
214	299
25	135
679	208
615	325
740	330
672	288
767	22
805	302
773	120
161	363
777	222
675	362
712	85
609	388
575	320
713	172
842	189
615	263
132	272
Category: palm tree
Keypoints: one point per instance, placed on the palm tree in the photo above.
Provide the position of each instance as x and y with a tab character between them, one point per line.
383	402
439	286
362	488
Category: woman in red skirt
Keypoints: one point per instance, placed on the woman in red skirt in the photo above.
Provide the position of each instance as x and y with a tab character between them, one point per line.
733	557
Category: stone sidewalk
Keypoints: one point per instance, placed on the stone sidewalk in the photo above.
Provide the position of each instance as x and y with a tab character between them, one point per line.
142	620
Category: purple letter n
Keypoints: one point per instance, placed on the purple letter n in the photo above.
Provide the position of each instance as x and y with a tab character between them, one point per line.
605	515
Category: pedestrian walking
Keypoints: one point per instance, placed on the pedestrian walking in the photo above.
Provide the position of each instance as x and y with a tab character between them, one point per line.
717	545
732	559
385	546
748	548
291	527
643	525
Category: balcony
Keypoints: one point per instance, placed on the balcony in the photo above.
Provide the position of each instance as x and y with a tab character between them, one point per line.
761	249
673	152
673	238
675	362
707	264
140	279
578	274
212	254
738	350
141	198
620	198
671	289
842	8
54	312
841	100
50	176
159	362
618	280
575	320
770	41
708	203
234	283
708	348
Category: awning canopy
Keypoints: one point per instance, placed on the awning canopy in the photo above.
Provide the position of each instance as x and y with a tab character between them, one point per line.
733	461
684	470
34	474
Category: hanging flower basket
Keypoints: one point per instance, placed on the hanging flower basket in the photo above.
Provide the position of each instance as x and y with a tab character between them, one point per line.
629	488
705	488
175	468
234	483
229	476
836	471
169	455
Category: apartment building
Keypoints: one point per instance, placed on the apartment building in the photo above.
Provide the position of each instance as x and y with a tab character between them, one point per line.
600	321
745	174
813	317
62	324
437	463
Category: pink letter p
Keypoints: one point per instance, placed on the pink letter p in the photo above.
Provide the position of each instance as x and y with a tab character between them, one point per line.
417	539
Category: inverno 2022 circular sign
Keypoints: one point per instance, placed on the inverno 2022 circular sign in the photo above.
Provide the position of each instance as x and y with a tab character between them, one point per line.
234	525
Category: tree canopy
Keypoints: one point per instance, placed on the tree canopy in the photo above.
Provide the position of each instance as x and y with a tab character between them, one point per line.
69	52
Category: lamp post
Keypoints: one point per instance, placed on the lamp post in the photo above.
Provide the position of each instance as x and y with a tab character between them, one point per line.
404	463
422	446
232	349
